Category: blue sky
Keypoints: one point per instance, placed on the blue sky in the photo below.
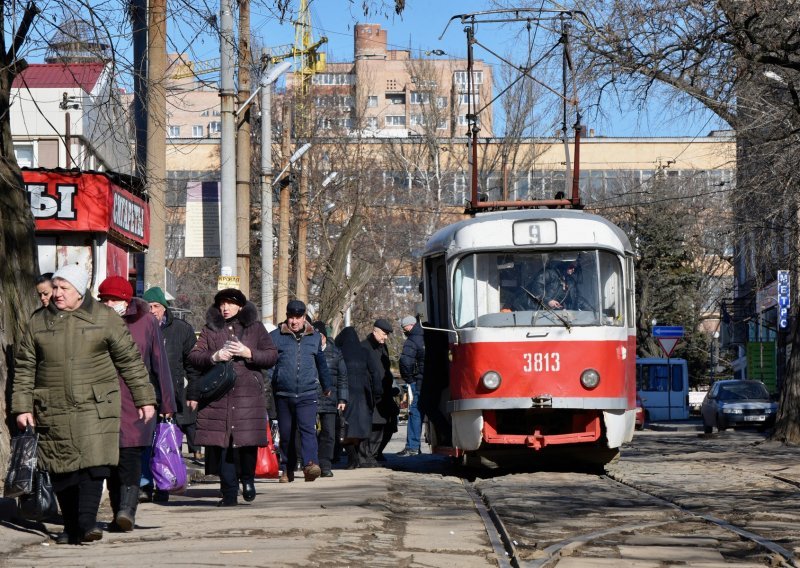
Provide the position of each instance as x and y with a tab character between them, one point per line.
419	28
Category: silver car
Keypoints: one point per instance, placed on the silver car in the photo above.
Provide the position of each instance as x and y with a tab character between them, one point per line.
738	403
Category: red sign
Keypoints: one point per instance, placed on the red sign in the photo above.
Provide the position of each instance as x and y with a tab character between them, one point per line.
86	202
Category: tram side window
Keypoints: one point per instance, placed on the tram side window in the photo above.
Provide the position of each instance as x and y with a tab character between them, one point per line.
464	292
611	290
436	299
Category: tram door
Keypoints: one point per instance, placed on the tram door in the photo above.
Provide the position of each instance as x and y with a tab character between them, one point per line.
435	392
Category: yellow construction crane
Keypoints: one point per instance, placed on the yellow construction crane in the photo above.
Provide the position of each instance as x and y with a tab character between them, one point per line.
308	59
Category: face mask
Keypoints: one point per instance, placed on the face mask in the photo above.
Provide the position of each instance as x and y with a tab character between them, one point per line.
120	308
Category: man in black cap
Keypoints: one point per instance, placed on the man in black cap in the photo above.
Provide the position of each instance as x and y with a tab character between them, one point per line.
300	368
384	417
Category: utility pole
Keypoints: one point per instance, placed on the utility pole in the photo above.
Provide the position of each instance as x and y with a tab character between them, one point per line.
243	153
267	256
138	15
283	230
227	228
302	232
156	172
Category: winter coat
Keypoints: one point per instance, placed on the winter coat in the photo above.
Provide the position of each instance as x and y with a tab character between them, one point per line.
301	362
412	359
338	371
239	417
66	374
386	409
145	331
363	382
179	338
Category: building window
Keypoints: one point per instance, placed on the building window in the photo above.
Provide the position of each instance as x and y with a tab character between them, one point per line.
333	79
463	99
460	77
372	101
372	122
395	99
396	120
417	120
442	124
214	127
176	240
441	102
205	113
197	131
174	131
216	112
462	120
418	98
25	155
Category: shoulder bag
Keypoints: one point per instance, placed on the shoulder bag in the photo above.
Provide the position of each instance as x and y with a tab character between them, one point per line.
216	382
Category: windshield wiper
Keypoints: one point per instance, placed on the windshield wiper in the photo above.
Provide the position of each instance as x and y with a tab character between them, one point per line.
550	310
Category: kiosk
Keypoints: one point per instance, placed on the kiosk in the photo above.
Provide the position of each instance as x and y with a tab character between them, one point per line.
96	219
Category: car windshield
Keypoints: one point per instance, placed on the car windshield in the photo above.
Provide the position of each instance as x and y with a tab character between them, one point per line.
743	391
553	288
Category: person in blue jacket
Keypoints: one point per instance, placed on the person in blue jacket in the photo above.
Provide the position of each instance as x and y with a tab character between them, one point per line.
301	366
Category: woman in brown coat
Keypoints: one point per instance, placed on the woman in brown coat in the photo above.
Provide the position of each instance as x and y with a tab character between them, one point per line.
235	425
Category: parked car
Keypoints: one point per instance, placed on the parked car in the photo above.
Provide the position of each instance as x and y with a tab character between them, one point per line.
734	403
639	414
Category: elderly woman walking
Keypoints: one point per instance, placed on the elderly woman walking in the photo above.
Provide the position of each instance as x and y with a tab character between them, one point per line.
66	384
235	425
136	436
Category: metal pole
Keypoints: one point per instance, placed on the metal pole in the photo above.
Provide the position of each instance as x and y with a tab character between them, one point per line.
348	311
227	151
267	260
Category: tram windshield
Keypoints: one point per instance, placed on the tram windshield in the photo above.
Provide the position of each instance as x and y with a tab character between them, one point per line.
553	288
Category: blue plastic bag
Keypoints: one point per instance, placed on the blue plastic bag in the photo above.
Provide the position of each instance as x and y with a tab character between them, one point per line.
166	462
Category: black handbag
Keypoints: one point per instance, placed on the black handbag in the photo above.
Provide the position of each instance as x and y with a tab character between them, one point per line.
341	427
40	504
22	465
216	382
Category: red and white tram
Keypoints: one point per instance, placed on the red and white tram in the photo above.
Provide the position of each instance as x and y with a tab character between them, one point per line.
531	345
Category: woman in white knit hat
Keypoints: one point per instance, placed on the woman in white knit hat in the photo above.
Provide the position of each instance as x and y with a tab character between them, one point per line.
66	386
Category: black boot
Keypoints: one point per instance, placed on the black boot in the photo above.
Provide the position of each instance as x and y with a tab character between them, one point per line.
128	502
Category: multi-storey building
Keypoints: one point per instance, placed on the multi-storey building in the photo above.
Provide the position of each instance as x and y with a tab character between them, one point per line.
389	93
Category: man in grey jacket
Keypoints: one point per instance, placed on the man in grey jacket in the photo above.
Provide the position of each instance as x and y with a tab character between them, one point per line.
301	366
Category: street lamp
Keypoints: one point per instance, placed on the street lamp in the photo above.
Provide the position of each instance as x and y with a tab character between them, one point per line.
712	358
266	189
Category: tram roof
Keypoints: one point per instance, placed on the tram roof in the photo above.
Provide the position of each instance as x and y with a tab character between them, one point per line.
575	228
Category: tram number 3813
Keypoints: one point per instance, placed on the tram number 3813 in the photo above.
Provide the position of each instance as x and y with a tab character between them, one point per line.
541	362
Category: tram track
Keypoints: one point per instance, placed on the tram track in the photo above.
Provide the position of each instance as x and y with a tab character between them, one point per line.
668	529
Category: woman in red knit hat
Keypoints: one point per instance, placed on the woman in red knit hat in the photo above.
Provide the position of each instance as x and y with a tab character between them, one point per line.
135	436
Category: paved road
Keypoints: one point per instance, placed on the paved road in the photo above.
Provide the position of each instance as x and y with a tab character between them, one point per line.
414	513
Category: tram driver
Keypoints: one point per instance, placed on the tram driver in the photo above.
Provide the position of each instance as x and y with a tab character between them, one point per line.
554	287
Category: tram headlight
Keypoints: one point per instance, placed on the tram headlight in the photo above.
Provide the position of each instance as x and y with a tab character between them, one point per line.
590	378
491	380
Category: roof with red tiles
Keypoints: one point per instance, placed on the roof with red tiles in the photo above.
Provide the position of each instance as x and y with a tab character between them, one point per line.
59	76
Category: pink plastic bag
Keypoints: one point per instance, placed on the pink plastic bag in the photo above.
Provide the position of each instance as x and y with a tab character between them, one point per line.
166	463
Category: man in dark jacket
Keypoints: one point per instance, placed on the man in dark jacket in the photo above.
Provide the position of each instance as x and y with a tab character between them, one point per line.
412	367
330	406
384	416
300	368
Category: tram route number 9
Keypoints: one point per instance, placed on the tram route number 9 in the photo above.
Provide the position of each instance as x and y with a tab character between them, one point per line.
541	362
